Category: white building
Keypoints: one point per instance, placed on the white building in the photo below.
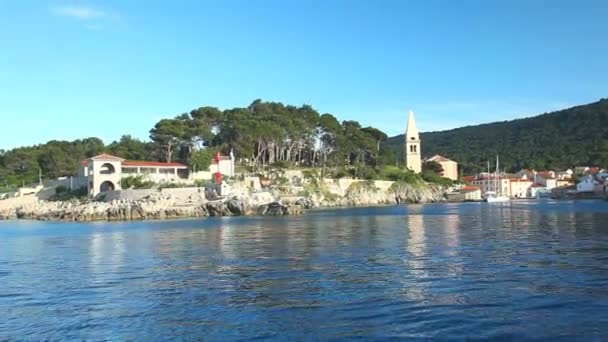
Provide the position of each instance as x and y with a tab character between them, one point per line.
105	172
487	184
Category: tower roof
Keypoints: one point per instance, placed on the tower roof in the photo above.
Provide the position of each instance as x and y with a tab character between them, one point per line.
411	131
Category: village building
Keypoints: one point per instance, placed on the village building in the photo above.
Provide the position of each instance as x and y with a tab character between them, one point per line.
105	172
471	193
489	183
450	167
519	187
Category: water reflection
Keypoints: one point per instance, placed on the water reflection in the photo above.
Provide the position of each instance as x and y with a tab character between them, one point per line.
523	270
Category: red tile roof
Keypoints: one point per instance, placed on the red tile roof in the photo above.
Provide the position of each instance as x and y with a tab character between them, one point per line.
470	188
135	163
468	179
151	163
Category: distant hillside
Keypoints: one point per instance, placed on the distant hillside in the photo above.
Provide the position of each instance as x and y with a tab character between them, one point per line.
574	136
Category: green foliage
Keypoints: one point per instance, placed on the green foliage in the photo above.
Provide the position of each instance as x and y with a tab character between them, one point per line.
319	189
62	193
200	160
136	182
132	149
54	159
397	174
432	177
358	187
576	136
432	166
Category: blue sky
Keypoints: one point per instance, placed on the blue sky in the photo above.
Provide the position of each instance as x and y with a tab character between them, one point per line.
73	69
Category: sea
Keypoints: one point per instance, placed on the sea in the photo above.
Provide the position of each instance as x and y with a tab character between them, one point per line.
524	270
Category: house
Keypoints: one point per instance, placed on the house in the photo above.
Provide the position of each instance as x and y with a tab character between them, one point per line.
105	172
450	167
567	174
471	193
489	183
467	179
547	179
519	187
537	189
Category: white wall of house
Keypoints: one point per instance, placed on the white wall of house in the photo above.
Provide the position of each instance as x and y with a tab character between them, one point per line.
519	188
490	185
104	175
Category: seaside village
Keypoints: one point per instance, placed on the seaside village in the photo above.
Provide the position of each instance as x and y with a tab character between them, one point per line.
106	173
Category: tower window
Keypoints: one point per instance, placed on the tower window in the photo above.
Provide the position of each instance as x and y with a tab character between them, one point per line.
413	138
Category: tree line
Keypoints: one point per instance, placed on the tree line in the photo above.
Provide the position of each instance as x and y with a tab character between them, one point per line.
260	135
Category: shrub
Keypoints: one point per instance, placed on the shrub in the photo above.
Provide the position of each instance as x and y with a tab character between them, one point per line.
397	174
366	172
136	182
432	177
62	193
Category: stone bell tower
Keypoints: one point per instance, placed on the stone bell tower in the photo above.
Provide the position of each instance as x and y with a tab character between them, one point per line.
412	145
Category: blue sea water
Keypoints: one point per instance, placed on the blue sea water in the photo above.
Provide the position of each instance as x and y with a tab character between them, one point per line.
520	270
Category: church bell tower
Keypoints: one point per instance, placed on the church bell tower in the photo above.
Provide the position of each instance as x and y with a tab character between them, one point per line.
412	145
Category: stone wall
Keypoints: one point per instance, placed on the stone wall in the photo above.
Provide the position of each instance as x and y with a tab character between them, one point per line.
184	195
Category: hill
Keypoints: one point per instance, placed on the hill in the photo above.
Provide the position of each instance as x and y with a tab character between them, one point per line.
561	139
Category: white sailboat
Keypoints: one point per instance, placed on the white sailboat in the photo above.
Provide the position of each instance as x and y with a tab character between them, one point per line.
496	196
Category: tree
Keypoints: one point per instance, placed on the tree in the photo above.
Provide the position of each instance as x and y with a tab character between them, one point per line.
130	148
432	166
168	134
200	160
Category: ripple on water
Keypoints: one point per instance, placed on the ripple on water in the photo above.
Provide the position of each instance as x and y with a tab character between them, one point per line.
520	271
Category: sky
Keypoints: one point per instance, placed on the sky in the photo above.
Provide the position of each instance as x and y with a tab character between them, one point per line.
74	69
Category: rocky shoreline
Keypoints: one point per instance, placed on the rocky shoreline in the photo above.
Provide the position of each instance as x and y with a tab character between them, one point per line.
159	206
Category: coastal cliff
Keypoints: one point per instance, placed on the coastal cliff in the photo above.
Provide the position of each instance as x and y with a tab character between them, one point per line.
190	202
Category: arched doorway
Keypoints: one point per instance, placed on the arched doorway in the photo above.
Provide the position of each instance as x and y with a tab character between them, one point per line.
106	186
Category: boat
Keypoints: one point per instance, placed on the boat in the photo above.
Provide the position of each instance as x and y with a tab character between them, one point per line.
496	196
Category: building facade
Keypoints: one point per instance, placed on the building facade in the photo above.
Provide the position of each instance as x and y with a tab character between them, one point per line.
413	159
105	172
450	167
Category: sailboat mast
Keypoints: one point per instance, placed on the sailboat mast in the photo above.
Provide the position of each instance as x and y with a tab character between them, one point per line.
489	188
496	178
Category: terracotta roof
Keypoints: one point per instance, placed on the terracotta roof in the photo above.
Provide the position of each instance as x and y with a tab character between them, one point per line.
105	156
537	185
468	179
438	158
470	188
151	163
134	163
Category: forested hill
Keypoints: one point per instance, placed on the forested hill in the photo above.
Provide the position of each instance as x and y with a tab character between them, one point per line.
569	137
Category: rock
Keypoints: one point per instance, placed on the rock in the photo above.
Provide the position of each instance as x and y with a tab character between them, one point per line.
217	208
236	206
278	209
